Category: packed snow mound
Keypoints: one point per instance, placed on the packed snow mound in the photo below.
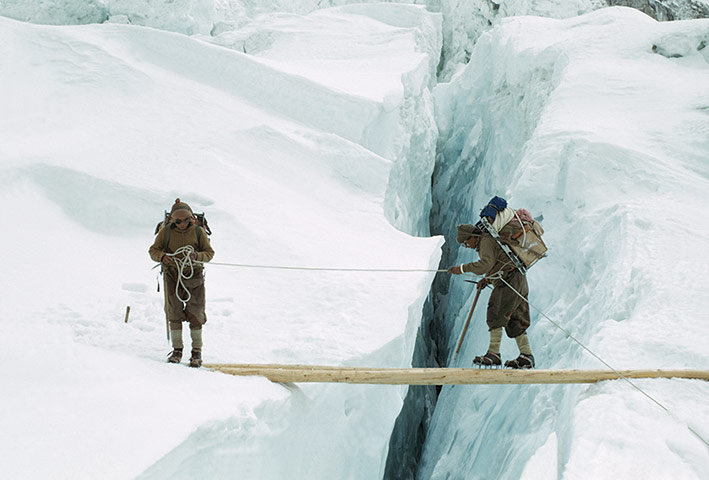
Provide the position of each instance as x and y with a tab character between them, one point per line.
598	124
103	126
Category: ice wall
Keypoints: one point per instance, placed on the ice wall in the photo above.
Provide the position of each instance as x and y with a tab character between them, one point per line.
485	118
534	117
667	10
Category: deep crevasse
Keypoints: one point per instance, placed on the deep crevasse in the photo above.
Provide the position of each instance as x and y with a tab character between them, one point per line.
529	119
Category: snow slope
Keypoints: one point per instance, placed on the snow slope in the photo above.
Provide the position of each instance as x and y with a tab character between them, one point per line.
295	44
599	124
102	127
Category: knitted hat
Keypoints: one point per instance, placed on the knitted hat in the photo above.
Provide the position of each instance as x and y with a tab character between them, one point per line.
180	205
466	231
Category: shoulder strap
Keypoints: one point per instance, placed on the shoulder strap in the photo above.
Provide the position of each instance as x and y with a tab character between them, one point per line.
199	237
166	242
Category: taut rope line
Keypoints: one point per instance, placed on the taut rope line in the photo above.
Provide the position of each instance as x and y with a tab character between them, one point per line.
498	275
323	269
184	263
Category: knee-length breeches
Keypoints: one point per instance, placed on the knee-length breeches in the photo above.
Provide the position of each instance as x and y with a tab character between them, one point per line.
506	309
194	310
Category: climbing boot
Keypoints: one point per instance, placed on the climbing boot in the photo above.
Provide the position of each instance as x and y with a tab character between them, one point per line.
523	361
175	356
490	359
196	359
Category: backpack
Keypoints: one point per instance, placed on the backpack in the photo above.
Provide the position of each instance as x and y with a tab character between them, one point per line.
200	222
494	206
516	232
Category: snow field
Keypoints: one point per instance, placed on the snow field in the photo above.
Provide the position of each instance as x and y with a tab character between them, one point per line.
106	125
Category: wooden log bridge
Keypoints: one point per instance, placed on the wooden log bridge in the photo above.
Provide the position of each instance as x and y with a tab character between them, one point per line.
439	376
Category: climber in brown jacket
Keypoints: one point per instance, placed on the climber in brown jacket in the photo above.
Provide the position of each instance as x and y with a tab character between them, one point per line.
180	231
505	309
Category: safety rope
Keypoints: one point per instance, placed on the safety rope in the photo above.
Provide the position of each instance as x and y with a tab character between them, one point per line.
524	230
183	260
322	269
499	276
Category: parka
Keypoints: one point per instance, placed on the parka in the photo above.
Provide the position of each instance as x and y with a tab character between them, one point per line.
505	308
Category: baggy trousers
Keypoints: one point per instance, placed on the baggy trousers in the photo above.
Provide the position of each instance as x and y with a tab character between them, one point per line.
506	309
194	310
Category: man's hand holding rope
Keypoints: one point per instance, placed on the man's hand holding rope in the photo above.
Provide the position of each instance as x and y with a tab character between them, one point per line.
182	260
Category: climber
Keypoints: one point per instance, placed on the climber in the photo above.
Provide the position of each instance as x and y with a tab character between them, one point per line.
505	309
180	231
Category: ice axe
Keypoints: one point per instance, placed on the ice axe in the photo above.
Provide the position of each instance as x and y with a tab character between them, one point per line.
164	287
467	322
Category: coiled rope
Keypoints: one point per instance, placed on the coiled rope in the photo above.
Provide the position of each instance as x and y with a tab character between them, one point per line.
183	261
499	276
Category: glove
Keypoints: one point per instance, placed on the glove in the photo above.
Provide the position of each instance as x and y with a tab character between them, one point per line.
455	270
482	283
193	256
166	260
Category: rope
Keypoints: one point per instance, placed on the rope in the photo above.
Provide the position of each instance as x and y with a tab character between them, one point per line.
321	269
498	276
524	230
182	260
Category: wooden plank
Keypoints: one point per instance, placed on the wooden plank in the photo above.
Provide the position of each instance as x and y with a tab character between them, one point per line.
438	376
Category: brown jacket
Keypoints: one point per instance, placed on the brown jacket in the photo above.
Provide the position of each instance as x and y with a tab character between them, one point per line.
505	308
492	258
180	238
